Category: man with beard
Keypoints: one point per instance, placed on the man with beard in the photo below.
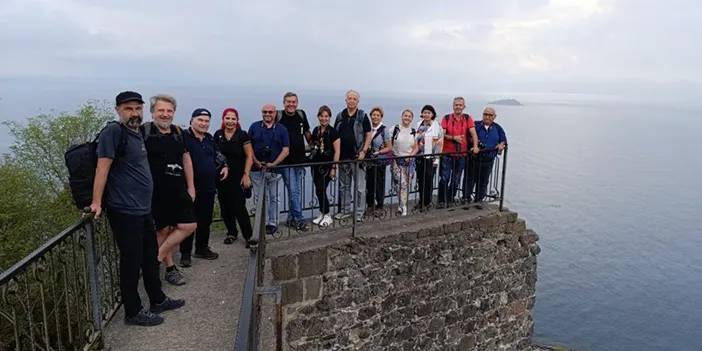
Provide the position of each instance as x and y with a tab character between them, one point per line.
172	173
206	161
125	180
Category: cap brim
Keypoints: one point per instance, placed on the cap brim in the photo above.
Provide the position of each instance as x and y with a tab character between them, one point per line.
131	100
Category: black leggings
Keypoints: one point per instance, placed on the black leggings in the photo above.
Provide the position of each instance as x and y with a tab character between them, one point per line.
425	180
232	203
320	176
375	186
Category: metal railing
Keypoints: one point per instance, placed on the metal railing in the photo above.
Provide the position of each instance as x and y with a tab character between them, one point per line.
248	328
390	189
61	295
492	190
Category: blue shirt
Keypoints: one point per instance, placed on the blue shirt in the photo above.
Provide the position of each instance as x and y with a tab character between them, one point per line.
204	156
268	143
489	138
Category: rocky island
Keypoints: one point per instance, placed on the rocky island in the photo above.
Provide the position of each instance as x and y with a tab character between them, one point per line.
505	102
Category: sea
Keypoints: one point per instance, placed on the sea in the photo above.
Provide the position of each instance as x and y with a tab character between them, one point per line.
610	185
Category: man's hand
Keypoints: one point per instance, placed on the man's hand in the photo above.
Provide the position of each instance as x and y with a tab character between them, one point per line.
191	192
500	147
476	150
224	173
96	208
246	181
361	155
332	173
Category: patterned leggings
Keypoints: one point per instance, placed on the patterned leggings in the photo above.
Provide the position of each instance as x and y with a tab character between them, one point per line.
402	178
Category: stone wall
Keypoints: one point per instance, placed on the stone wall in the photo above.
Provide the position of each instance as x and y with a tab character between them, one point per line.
448	284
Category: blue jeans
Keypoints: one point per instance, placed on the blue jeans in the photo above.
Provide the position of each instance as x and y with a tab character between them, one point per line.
293	177
450	177
271	180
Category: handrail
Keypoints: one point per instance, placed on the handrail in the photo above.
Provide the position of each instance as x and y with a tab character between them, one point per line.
60	295
35	255
249	314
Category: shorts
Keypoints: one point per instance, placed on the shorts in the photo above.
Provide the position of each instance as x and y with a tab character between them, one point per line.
171	210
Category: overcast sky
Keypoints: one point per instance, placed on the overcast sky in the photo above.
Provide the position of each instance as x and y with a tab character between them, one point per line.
627	47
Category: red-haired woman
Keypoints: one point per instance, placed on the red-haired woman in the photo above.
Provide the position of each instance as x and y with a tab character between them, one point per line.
235	144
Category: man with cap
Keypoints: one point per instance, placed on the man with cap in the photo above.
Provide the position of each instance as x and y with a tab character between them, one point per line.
124	178
206	161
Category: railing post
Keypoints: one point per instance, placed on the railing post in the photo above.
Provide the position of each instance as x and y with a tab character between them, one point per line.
95	294
354	190
504	173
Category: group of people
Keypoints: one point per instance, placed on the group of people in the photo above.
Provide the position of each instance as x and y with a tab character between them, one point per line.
158	182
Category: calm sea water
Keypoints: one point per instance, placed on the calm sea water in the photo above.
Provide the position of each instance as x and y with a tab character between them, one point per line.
612	189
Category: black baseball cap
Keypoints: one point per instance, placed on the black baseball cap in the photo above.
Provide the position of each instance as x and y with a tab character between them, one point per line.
201	112
127	96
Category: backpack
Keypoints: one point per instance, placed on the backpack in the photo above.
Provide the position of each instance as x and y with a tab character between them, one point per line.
81	162
300	114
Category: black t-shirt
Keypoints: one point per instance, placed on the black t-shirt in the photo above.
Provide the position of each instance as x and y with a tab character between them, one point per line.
325	142
347	134
165	154
233	150
296	125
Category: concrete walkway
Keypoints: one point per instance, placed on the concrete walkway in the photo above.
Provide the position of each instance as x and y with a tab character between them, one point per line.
209	318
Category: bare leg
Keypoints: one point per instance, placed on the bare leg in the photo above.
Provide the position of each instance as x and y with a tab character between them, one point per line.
161	237
180	232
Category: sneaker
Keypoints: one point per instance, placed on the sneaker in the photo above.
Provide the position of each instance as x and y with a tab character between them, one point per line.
230	239
271	229
440	205
318	219
302	226
342	215
167	305
206	254
251	242
144	318
326	221
186	261
402	210
175	277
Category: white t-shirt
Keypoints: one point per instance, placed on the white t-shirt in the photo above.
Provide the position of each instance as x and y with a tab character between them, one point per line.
433	131
404	142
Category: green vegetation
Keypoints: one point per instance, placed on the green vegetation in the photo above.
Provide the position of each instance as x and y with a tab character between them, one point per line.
35	203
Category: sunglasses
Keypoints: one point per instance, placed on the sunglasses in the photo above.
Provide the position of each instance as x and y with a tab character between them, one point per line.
267	112
488	114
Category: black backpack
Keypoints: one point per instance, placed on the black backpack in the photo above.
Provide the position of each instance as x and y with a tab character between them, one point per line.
396	132
81	161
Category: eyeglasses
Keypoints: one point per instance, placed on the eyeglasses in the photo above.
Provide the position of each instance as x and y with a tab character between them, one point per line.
267	112
488	114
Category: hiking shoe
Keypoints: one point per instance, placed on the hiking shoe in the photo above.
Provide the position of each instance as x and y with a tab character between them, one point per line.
302	226
271	229
144	318
175	277
167	305
342	215
186	261
230	239
206	254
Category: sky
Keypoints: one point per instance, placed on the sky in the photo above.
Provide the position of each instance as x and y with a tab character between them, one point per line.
645	49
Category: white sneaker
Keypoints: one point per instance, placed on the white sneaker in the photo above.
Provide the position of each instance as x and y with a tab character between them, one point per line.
318	219
403	211
326	221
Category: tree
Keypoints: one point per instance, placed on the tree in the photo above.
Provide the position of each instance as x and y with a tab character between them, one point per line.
35	203
40	144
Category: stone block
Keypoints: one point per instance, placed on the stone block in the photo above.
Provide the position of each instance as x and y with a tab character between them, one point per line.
452	228
284	268
292	292
313	288
312	263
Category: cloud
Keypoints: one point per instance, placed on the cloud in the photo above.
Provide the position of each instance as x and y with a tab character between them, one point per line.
389	45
